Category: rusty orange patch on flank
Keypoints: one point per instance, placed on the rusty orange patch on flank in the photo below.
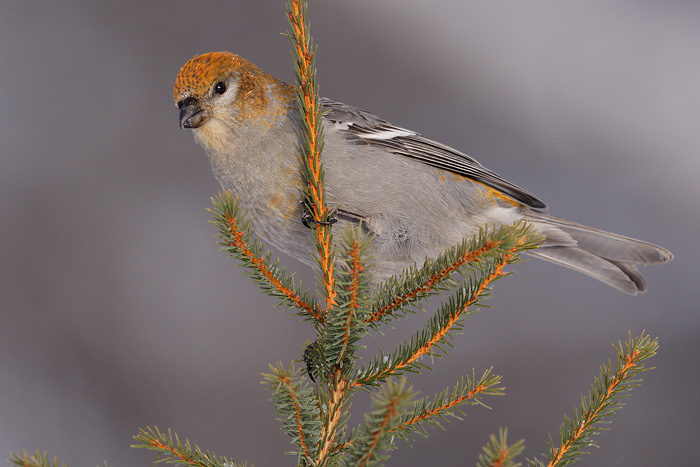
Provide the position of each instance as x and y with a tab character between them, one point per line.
494	195
490	193
276	199
284	204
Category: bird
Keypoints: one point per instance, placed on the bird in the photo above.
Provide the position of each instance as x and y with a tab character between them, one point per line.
415	197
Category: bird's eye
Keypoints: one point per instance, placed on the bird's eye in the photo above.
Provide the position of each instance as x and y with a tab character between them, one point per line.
220	87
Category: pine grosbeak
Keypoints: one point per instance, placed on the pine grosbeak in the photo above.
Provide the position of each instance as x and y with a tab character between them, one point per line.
417	197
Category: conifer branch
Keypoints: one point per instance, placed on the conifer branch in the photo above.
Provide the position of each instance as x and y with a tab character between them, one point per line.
173	451
355	252
312	137
339	335
372	440
345	324
295	404
437	275
38	459
446	320
312	145
497	453
333	418
429	411
237	240
604	399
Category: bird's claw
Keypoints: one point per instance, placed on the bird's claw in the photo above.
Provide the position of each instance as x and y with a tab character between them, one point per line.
308	219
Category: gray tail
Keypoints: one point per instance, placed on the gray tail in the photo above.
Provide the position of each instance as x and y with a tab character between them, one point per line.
606	256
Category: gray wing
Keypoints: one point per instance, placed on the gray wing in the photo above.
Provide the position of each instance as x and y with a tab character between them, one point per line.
366	128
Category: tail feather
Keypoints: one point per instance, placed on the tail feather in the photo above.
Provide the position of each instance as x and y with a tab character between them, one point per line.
633	274
608	257
618	275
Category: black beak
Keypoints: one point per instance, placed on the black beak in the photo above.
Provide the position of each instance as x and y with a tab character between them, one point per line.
191	115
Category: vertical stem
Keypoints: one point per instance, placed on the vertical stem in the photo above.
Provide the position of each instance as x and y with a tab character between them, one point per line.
312	138
339	387
307	93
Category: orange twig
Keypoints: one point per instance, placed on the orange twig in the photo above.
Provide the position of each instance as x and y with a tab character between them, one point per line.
163	447
437	337
297	415
468	396
390	414
428	286
354	290
424	349
502	457
334	414
315	188
589	417
259	263
357	268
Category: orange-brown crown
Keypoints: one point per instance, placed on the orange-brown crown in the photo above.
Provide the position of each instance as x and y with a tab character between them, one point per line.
200	72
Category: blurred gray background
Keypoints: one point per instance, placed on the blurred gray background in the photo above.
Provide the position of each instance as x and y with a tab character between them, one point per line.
119	312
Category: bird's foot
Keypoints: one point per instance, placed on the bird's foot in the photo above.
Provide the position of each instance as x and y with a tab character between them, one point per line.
307	218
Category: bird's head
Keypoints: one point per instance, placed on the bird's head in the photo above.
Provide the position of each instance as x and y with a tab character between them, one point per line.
219	92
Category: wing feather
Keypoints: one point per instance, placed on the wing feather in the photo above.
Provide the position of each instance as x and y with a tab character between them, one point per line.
372	130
